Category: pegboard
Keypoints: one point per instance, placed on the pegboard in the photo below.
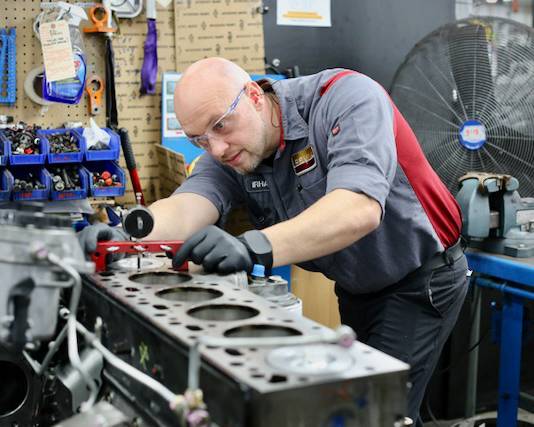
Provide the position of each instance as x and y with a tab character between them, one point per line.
21	15
141	115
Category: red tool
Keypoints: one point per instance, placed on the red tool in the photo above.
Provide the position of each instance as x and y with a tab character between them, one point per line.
134	247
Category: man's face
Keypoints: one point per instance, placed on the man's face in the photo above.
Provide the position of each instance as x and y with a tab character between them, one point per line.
233	132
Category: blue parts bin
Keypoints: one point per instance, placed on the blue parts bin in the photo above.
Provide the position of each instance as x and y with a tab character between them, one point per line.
6	184
24	146
101	152
4	152
33	162
64	145
30	183
8	70
68	182
102	189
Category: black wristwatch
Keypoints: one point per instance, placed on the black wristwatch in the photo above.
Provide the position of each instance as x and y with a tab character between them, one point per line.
259	247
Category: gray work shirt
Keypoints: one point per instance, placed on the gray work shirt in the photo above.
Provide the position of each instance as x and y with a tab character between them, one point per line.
344	139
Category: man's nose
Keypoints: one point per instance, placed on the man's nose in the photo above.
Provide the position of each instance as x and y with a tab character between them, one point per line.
218	147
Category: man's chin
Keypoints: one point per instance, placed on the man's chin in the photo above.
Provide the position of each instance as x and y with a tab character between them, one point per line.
248	168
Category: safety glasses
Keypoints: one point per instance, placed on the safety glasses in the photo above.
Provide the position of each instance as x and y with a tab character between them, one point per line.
218	128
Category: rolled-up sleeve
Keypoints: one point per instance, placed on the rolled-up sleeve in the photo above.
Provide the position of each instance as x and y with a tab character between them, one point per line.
213	181
361	150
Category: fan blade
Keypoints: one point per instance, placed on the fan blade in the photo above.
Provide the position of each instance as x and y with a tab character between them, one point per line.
471	69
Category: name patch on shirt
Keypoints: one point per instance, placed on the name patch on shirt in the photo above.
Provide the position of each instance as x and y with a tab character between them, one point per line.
255	183
304	160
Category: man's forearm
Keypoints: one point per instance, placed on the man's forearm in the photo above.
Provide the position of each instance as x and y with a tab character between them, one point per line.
178	217
337	220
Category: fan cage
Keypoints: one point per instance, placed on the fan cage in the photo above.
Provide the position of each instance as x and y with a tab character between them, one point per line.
467	91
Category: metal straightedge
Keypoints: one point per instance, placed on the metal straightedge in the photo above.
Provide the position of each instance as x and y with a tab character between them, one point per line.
152	318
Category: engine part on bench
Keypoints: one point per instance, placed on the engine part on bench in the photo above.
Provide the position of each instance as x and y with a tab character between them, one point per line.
152	317
93	362
29	295
102	414
21	389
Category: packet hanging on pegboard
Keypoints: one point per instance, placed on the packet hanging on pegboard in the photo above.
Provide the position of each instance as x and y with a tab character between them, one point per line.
63	52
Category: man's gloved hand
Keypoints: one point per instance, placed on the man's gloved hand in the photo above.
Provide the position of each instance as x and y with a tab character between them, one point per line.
92	234
223	253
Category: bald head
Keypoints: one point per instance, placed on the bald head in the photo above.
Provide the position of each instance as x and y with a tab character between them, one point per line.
216	102
213	81
212	72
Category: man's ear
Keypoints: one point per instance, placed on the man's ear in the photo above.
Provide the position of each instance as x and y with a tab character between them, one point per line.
255	93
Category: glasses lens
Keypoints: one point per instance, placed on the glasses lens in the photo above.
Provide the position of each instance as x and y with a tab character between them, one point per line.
201	141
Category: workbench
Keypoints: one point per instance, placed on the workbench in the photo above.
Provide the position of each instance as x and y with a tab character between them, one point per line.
514	277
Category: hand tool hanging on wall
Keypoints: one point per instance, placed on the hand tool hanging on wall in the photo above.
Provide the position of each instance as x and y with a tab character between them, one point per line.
149	71
8	72
103	13
94	88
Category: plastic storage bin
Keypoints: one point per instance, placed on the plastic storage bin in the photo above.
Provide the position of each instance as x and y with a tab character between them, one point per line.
96	155
72	194
22	172
4	152
26	159
6	185
114	169
72	157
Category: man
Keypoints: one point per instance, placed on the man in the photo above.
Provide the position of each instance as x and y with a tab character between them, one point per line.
335	179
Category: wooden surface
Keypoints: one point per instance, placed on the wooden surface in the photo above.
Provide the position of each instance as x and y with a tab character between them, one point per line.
317	294
237	21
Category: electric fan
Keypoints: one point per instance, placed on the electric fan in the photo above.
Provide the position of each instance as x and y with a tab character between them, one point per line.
467	91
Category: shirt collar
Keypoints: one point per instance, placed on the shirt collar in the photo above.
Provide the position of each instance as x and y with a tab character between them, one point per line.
294	126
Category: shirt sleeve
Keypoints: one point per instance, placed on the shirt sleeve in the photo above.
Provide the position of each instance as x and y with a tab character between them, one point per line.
361	151
216	183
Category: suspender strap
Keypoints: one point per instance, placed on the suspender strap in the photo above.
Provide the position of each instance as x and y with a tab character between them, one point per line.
334	79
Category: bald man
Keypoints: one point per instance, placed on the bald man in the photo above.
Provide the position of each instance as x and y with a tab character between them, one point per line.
334	181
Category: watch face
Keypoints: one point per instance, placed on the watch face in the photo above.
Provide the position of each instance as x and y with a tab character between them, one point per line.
259	247
258	242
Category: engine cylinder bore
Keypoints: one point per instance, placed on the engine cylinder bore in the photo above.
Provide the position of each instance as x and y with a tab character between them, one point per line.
251	331
223	312
189	294
15	388
160	278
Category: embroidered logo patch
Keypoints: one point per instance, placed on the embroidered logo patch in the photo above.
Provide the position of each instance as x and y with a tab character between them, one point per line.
335	130
256	183
304	160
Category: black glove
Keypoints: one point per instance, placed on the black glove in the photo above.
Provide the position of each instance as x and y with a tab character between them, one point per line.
223	253
92	234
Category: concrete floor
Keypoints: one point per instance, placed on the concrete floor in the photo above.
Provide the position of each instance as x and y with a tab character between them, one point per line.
522	416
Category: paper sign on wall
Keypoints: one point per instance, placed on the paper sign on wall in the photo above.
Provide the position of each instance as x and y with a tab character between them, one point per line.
306	13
